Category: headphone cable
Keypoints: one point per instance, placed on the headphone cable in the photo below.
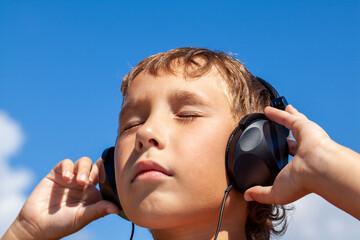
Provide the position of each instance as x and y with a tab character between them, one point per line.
132	230
228	189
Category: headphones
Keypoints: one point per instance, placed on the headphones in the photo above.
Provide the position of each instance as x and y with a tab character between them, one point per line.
255	153
257	149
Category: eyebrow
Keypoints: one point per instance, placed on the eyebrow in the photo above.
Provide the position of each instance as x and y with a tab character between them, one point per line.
188	98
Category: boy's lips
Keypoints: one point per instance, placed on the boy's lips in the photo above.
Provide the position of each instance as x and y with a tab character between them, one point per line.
148	168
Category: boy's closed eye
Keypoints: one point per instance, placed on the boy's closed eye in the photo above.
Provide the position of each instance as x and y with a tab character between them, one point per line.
186	117
131	126
183	117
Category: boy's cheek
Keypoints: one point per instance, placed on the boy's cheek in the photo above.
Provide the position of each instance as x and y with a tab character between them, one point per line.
205	152
209	140
122	162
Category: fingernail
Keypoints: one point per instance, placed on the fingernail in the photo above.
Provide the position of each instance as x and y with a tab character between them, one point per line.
112	211
67	174
83	177
248	198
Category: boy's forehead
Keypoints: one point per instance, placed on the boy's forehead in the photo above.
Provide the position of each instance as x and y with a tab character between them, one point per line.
213	78
208	91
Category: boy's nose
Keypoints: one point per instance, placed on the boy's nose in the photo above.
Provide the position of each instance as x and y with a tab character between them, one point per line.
140	145
147	137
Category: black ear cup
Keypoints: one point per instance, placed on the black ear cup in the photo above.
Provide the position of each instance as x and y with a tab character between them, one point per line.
107	181
256	152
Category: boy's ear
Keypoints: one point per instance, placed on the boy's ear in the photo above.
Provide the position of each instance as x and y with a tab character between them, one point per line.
107	183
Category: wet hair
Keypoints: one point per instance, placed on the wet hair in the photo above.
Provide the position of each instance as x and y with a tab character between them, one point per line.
246	95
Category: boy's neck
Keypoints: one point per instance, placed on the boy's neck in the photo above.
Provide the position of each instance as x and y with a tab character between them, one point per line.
232	226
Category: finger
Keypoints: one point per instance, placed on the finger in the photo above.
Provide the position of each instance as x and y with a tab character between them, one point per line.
281	117
286	188
291	109
65	168
82	169
292	146
261	194
95	211
94	174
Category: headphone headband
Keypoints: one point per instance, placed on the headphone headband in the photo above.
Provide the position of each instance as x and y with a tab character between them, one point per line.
276	100
273	93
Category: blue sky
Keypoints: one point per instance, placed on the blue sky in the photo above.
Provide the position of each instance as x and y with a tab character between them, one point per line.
61	65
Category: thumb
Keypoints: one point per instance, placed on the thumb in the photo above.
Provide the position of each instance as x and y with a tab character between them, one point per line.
98	210
262	195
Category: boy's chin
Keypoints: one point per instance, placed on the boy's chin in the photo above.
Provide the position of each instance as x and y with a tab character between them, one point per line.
159	214
169	215
155	219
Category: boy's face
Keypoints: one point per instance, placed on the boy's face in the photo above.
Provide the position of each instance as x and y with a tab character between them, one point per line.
170	150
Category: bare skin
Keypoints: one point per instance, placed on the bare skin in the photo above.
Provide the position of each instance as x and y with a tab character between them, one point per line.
319	165
182	126
65	201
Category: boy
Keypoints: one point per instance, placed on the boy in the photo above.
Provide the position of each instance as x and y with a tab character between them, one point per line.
179	109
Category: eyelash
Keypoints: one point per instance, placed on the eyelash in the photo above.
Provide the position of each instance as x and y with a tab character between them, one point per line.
187	117
184	117
131	126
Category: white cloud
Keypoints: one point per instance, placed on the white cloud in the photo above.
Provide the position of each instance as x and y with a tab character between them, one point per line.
13	182
315	218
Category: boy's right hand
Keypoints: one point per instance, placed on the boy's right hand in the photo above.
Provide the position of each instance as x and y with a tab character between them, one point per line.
319	165
62	203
